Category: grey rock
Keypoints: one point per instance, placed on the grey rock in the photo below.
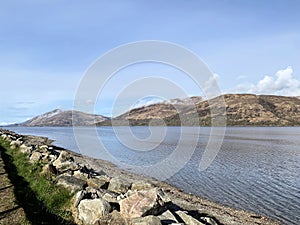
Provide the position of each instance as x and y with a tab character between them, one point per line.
98	182
49	169
167	217
163	196
110	197
78	197
35	156
89	211
147	220
78	174
187	219
72	183
25	149
43	148
64	156
209	220
118	185
15	144
65	166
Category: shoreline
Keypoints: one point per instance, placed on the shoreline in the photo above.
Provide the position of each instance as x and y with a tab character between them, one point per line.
187	202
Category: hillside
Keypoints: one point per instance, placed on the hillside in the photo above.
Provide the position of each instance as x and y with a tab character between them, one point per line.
61	118
241	110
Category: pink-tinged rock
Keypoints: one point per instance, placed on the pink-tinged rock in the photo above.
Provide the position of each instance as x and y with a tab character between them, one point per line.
141	203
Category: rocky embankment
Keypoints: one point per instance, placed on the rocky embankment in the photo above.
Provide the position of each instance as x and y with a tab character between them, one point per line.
104	194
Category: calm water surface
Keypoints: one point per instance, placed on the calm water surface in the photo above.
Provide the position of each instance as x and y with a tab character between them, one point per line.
256	169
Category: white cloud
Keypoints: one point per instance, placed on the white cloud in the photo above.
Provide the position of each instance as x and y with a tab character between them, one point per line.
149	100
282	83
210	86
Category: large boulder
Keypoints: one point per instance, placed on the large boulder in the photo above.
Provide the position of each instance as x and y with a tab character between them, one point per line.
147	220
113	218
65	166
78	197
80	175
25	149
44	148
118	185
167	217
141	203
64	162
98	182
89	211
72	183
187	219
35	156
64	156
49	169
15	144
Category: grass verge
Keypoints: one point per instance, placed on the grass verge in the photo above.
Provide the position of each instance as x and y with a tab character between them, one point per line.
43	201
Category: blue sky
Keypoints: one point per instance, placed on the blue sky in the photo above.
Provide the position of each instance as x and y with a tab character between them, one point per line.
46	47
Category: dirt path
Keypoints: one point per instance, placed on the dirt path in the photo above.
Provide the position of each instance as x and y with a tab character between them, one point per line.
10	211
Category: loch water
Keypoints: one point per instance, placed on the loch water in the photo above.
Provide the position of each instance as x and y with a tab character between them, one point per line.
256	168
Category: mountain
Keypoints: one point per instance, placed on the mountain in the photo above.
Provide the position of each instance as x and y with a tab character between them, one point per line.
58	117
241	110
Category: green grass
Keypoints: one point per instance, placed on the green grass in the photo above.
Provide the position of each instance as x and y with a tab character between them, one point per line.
53	199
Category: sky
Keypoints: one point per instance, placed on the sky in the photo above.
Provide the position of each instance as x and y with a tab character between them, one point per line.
46	47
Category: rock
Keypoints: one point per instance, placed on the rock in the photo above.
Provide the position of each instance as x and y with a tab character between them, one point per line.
118	185
43	148
35	156
52	158
141	185
89	211
98	182
209	220
49	169
110	197
78	174
65	166
70	182
141	203
7	137
64	163
45	157
165	198
91	193
64	156
187	219
25	149
113	218
15	144
167	217
78	197
147	220
120	197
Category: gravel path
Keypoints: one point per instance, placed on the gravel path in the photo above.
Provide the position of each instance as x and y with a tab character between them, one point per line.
10	211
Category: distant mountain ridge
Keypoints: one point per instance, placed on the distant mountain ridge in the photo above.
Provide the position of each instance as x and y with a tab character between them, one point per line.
62	118
241	110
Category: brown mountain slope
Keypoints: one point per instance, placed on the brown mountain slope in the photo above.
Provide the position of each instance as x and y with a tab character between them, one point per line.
58	117
241	110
